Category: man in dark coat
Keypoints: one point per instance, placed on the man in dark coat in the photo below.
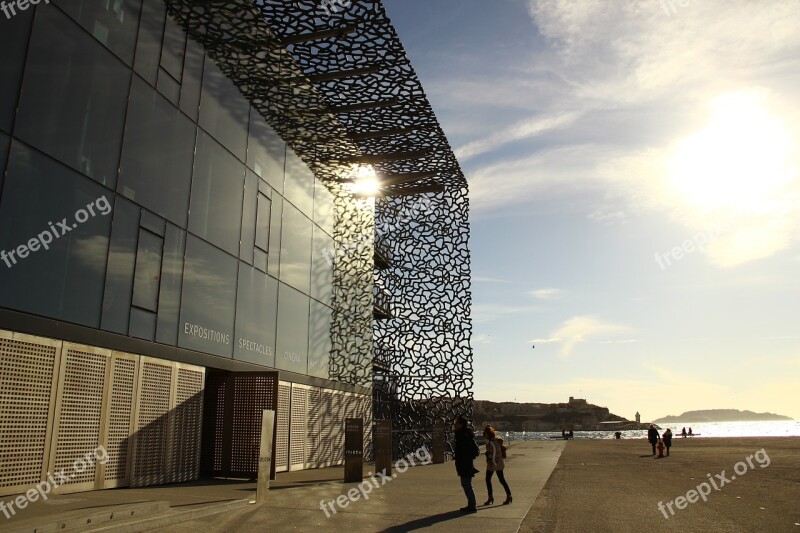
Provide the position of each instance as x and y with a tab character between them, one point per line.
466	450
652	436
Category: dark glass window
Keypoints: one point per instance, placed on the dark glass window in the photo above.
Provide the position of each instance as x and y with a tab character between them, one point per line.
157	155
192	79
262	222
14	35
173	49
266	152
208	299
296	249
169	298
5	141
322	254
143	324
256	317
275	226
292	349
121	263
224	112
299	184
148	271
151	35
319	340
72	104
113	23
217	189
53	250
249	212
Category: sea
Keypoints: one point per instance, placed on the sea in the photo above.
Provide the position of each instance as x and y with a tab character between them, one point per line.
783	428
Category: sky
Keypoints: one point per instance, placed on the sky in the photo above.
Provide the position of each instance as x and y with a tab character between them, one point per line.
634	180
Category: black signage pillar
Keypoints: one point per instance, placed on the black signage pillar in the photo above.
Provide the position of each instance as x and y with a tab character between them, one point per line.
353	450
438	445
383	447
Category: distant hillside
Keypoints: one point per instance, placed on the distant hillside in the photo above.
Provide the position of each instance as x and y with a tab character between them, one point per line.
721	415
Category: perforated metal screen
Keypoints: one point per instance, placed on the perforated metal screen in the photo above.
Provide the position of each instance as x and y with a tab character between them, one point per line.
65	407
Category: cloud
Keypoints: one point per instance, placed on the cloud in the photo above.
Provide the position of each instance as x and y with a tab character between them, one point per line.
525	129
690	115
577	330
481	338
482	279
491	312
546	294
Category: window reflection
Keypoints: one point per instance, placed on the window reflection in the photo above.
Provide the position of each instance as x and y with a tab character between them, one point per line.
64	279
296	249
157	154
72	104
292	349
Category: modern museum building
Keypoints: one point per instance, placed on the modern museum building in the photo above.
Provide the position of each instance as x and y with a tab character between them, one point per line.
208	209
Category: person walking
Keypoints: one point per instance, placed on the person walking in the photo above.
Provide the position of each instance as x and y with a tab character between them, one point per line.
667	438
465	451
494	463
652	437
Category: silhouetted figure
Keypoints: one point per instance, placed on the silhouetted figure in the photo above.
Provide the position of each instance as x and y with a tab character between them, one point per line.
618	435
652	437
667	438
690	432
683	433
465	451
571	434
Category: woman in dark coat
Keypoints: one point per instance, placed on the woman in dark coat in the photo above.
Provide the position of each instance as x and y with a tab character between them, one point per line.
466	450
652	436
667	438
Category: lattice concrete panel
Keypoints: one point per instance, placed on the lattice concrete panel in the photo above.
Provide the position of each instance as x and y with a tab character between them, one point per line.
288	63
282	427
185	425
27	399
152	424
298	427
79	414
119	422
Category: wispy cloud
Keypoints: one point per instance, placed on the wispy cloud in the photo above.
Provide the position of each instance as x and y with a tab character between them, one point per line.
546	294
483	279
577	330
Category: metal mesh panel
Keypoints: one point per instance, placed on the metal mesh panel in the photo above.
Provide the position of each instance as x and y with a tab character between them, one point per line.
123	381
253	393
186	422
337	427
151	425
214	423
297	438
282	428
80	413
26	382
315	449
327	427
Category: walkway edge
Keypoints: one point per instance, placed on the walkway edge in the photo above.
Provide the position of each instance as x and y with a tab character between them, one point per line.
172	518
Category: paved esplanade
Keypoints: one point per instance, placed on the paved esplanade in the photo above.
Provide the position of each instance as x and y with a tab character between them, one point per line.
426	497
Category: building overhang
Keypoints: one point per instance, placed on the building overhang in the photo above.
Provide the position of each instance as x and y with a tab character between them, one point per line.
336	84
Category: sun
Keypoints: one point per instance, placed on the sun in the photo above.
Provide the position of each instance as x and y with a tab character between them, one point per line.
739	163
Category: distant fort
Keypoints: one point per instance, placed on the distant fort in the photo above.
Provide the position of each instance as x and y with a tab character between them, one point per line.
576	414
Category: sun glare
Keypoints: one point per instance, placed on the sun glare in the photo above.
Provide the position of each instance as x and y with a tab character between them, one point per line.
740	162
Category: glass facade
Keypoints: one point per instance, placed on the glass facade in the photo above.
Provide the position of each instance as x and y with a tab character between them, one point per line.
142	195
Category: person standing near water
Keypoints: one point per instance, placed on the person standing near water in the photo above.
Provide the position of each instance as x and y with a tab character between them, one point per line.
494	463
465	451
667	438
652	437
